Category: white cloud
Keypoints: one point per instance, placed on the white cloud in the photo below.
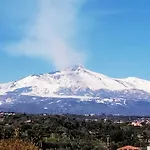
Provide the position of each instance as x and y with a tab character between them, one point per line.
50	36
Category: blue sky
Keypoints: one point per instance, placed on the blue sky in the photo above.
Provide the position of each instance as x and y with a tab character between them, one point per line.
108	36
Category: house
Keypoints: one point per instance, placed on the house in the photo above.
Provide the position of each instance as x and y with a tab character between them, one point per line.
136	124
129	148
28	121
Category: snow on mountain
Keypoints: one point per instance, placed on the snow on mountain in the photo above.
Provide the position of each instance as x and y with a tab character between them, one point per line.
76	90
138	83
73	79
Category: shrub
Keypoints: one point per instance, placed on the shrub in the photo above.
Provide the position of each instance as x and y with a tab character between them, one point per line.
16	145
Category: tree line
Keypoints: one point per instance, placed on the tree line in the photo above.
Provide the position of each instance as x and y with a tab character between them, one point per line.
72	132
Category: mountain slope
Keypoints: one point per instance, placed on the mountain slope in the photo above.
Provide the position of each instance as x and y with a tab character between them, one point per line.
75	78
78	85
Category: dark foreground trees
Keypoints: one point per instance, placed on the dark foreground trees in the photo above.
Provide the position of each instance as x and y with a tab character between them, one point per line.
70	132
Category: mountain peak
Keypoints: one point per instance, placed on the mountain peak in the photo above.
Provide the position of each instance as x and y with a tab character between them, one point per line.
75	68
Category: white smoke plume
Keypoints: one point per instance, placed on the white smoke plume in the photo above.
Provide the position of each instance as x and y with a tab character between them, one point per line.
49	37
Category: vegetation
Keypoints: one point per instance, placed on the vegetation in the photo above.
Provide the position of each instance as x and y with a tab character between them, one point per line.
16	145
70	132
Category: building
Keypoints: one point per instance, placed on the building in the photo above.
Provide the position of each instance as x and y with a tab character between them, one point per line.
136	124
129	148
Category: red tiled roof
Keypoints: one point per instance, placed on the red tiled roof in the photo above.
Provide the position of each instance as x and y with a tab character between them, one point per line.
129	147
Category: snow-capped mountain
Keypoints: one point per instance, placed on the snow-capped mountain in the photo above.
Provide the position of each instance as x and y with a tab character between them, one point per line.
76	88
